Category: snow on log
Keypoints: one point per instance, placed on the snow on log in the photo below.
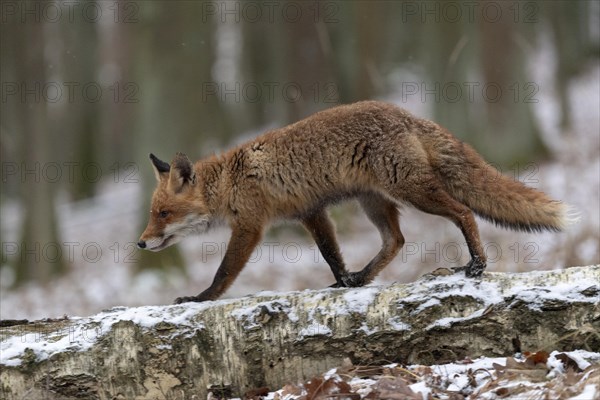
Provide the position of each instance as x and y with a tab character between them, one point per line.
270	339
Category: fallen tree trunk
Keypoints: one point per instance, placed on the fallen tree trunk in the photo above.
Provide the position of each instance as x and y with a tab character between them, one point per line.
270	339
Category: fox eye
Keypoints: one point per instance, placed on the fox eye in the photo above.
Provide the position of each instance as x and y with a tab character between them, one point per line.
163	214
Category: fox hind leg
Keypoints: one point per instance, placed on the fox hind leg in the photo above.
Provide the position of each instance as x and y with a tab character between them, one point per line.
435	200
384	215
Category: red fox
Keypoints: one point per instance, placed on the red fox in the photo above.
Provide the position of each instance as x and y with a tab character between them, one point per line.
375	152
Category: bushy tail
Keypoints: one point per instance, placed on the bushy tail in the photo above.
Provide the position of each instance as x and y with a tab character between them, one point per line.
495	197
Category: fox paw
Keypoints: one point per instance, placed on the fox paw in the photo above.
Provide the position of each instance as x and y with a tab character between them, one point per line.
474	269
350	279
188	299
354	279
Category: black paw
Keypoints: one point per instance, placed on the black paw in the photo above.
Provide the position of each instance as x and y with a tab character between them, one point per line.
353	279
188	299
350	279
474	268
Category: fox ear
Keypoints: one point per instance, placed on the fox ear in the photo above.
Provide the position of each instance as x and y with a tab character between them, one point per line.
161	168
182	172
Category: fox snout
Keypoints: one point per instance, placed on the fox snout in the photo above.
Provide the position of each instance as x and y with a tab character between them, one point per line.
155	239
142	244
151	237
157	243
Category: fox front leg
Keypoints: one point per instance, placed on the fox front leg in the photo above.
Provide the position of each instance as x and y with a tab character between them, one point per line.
321	228
239	250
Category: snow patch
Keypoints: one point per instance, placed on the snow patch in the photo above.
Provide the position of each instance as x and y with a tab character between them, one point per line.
314	329
590	391
358	300
249	315
422	388
448	321
80	334
429	303
398	325
368	331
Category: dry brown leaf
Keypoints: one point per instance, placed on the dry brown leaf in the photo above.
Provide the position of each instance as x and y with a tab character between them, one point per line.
516	390
441	272
531	375
395	388
511	363
571	377
313	387
257	393
291	390
408	375
471	378
540	357
367	371
515	369
373	395
568	362
318	389
422	370
346	390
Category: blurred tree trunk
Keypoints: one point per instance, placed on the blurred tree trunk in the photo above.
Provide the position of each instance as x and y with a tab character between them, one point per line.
371	43
511	133
41	255
80	117
262	65
307	72
115	57
446	52
205	118
571	34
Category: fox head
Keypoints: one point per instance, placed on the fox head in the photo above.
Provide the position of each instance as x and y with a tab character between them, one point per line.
178	208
